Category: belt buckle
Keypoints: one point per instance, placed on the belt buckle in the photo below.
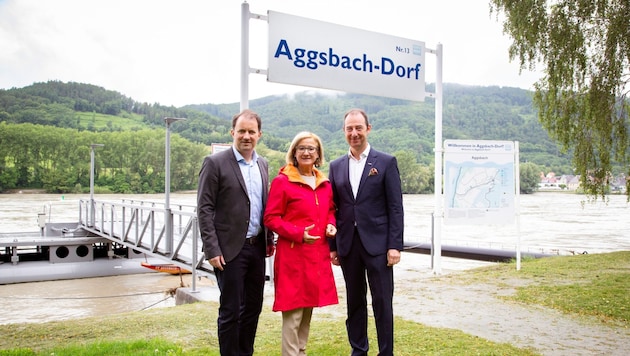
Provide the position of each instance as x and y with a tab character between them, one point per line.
252	240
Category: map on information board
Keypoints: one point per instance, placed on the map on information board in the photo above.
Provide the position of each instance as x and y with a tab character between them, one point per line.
479	182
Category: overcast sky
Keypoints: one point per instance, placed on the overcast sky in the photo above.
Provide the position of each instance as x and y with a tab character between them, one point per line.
188	51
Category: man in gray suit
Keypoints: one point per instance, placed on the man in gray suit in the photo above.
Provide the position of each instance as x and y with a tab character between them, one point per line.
233	188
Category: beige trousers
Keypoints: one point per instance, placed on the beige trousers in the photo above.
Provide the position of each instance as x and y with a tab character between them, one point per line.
295	327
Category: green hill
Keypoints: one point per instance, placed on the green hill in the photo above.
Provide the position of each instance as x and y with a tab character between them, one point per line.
469	112
404	128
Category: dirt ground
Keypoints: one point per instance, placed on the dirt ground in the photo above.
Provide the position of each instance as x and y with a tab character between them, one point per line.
477	309
434	300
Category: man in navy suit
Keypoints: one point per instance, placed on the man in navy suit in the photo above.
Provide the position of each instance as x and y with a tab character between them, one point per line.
367	193
233	189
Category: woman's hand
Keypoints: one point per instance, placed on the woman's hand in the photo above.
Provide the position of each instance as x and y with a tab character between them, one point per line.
309	239
331	230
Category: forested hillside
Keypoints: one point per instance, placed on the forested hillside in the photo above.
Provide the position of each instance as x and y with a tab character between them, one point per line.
480	113
88	114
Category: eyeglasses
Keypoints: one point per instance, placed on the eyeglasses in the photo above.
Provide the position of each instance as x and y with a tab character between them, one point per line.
310	149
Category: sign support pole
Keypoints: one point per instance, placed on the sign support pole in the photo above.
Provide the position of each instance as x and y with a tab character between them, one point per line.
244	55
517	199
438	214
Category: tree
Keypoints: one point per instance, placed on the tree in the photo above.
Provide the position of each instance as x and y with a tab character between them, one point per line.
415	178
584	49
529	177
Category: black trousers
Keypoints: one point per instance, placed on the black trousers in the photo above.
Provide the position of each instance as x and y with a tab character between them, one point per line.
355	266
241	283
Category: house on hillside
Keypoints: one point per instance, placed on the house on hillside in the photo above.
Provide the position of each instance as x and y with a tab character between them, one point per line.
618	184
570	182
549	181
573	183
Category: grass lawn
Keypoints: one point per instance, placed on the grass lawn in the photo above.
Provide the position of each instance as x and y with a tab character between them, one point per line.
595	286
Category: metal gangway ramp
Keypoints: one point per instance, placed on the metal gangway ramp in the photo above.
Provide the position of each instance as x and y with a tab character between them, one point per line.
169	233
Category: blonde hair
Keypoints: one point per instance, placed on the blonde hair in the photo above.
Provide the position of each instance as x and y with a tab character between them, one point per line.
290	157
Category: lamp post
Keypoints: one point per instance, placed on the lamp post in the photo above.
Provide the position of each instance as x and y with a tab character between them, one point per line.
168	217
92	205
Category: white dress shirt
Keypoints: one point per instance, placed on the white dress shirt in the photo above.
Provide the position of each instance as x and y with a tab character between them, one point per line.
356	167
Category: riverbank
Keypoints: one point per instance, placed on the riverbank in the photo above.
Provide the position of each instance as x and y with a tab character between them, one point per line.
24	191
482	301
485	303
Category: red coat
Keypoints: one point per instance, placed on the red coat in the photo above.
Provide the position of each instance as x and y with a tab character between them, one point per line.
303	274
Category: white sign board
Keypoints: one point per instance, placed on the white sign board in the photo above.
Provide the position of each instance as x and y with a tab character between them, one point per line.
479	182
318	54
218	147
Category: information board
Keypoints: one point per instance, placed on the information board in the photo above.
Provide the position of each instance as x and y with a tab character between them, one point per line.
479	182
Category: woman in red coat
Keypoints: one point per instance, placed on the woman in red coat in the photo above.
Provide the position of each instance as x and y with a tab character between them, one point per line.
300	210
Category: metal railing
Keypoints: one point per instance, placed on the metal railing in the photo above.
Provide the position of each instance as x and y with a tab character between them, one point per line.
140	225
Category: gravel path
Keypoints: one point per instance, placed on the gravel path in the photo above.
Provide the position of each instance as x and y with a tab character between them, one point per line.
435	300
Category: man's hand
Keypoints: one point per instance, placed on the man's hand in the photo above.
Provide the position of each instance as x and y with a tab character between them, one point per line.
271	248
393	257
217	262
334	258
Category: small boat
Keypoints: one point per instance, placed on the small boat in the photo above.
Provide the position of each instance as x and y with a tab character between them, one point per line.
165	267
64	252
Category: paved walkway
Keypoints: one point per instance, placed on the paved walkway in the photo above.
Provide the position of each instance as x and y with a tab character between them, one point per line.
476	309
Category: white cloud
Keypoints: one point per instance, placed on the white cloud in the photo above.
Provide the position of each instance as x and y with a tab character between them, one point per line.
188	52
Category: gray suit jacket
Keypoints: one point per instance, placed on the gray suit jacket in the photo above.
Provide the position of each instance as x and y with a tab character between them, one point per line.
223	205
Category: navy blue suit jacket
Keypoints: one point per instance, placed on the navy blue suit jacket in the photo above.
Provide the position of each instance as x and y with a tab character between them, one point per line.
377	210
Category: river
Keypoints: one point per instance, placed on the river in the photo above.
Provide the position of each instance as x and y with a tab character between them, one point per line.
550	222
